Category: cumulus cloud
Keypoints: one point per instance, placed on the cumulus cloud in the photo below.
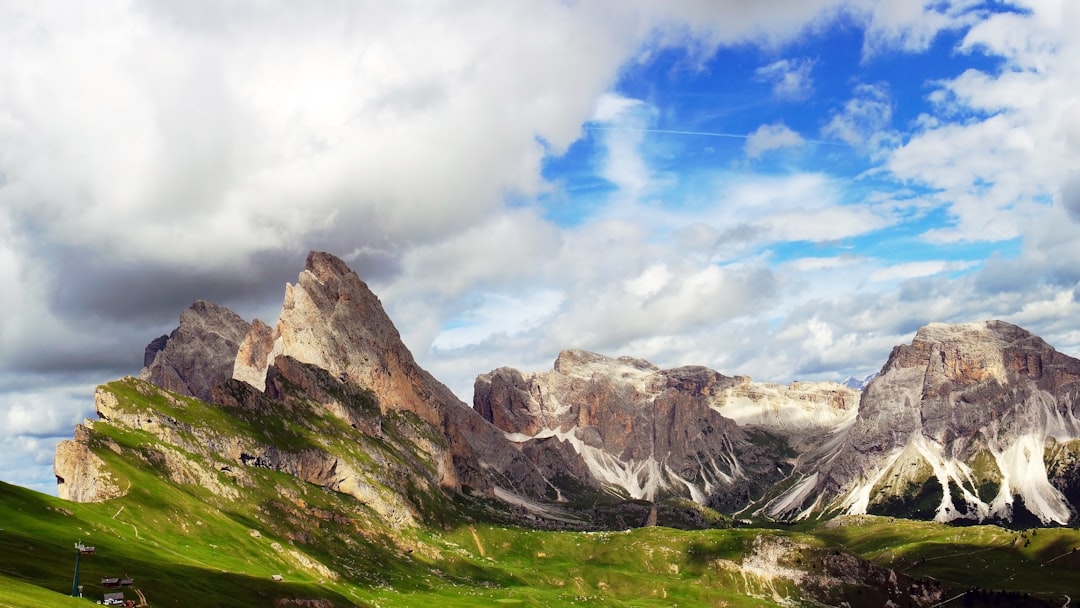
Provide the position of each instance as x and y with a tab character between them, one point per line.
865	120
772	137
790	78
1070	197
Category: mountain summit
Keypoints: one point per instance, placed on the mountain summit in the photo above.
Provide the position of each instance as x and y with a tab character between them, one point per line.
973	421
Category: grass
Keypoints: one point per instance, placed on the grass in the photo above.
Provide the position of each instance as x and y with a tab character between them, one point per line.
1041	562
183	550
186	545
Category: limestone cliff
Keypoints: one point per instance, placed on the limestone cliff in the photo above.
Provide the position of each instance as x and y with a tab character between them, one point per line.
651	432
81	475
960	418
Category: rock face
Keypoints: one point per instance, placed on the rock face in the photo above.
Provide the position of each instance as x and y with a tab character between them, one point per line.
956	426
332	321
81	476
653	433
197	355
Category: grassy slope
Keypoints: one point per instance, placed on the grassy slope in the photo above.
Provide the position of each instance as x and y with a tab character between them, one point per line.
185	546
1041	562
186	549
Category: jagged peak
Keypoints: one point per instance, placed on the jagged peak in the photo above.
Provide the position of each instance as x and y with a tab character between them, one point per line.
577	361
993	329
326	266
198	353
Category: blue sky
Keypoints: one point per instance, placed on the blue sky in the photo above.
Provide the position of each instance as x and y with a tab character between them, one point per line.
782	189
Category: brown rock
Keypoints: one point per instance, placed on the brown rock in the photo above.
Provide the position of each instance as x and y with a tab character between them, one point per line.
81	476
647	431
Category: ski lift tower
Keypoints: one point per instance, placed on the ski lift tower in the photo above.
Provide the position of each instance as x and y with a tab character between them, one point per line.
80	550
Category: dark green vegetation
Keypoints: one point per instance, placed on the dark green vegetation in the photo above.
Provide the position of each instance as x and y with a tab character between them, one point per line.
192	541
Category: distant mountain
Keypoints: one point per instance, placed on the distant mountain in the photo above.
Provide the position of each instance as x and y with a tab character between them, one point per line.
972	422
649	433
857	383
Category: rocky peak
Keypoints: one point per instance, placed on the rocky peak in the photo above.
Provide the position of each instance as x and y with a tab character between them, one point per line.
198	354
581	363
330	319
645	431
970	409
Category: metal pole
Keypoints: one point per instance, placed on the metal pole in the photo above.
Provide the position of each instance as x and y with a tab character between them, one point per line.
75	583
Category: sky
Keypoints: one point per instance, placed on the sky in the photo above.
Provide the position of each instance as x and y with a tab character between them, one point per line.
783	189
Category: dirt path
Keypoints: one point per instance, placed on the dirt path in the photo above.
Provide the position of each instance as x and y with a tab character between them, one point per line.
142	598
1069	552
955	597
476	537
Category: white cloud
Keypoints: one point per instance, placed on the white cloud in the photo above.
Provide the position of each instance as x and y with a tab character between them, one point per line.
625	122
865	121
499	314
772	137
1004	140
913	26
822	263
790	78
911	270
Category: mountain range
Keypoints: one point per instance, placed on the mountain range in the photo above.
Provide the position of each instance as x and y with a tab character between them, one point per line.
972	423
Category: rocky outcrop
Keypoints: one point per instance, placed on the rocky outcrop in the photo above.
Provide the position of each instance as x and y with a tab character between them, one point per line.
648	432
379	469
960	418
254	355
199	354
81	476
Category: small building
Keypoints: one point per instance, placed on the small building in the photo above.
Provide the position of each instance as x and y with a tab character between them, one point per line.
114	599
110	582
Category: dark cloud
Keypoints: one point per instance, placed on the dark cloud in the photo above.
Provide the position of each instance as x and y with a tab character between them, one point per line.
1070	197
1000	275
141	293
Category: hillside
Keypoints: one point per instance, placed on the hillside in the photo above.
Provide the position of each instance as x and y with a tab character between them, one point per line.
184	547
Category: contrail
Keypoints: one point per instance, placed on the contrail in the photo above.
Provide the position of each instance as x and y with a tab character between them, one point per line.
704	134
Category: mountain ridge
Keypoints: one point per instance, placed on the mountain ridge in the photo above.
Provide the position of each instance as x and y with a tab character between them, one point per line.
622	427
